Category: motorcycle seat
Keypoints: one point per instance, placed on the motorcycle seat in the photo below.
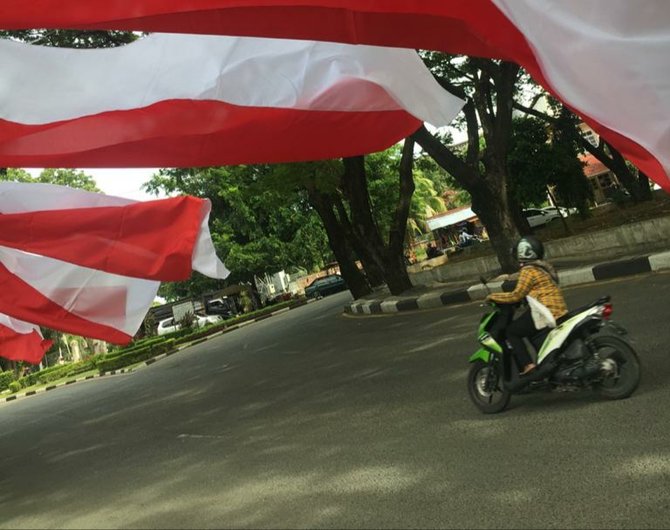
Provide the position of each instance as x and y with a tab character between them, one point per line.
600	301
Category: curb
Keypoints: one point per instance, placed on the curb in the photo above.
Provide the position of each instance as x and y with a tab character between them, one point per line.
603	271
68	382
151	361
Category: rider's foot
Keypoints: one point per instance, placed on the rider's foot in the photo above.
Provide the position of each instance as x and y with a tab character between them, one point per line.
528	368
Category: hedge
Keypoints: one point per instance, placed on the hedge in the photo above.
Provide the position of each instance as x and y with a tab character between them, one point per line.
136	356
53	373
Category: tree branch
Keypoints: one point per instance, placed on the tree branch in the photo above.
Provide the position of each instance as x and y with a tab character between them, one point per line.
464	174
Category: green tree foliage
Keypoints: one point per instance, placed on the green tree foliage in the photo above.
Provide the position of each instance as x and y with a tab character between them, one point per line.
530	161
65	38
544	155
72	178
256	226
12	174
382	170
572	186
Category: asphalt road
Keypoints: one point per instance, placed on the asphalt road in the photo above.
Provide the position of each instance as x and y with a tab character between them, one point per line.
313	419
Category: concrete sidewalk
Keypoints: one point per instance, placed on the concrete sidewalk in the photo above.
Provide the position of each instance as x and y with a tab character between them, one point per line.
571	271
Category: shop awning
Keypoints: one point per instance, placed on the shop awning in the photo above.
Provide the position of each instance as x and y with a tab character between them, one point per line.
451	217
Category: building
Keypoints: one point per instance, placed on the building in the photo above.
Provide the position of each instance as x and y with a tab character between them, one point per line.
602	180
447	225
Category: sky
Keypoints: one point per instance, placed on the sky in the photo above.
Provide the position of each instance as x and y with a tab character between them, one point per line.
120	182
123	182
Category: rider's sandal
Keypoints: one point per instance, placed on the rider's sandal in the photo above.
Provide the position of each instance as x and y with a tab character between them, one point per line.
528	369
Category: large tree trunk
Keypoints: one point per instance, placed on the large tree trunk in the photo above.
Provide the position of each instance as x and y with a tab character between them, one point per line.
494	212
356	281
389	260
624	174
397	278
373	271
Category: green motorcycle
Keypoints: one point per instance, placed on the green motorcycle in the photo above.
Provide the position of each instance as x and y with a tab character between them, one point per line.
586	350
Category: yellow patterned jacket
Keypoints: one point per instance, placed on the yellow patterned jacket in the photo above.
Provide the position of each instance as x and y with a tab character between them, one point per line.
536	280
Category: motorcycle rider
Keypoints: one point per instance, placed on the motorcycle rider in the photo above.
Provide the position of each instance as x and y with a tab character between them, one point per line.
538	279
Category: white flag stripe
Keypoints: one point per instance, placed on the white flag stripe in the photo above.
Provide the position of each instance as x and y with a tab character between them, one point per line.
606	58
60	84
24	328
205	259
21	197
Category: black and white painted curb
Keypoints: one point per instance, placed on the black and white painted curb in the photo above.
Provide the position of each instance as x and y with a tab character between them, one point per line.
148	362
604	271
14	397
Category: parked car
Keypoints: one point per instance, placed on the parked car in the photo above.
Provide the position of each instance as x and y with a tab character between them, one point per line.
169	325
333	283
538	217
221	306
564	211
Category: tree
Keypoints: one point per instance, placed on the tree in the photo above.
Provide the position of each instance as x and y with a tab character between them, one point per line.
529	161
256	227
567	171
389	256
72	178
426	201
488	87
264	216
541	156
15	175
562	118
65	38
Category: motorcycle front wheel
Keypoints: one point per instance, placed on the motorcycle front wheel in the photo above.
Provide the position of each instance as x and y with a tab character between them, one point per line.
486	389
620	367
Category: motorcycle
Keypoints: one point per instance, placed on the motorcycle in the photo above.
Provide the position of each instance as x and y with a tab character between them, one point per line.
585	350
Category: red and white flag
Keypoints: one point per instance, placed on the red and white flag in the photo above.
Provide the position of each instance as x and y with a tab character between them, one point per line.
21	341
91	264
191	100
607	59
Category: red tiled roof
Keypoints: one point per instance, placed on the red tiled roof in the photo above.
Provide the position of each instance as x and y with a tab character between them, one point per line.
593	165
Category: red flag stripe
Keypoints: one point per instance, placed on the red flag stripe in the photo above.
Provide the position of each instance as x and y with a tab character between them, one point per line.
22	301
473	27
182	133
28	347
150	240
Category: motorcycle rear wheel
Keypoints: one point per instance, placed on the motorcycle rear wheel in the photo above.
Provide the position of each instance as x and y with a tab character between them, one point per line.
625	375
489	401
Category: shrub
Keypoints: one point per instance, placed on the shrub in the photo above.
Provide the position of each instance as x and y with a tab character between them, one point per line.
137	355
187	321
14	387
6	378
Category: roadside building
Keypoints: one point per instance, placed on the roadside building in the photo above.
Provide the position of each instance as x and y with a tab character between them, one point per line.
447	226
